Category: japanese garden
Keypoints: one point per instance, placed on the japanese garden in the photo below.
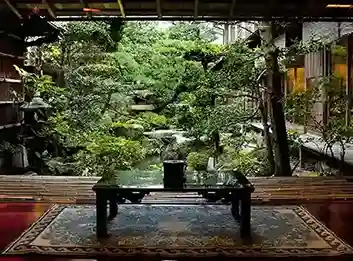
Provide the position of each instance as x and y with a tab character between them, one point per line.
174	130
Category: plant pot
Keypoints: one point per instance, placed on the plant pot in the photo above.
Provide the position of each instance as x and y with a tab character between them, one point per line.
174	173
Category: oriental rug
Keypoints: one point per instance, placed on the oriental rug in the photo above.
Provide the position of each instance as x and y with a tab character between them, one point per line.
173	231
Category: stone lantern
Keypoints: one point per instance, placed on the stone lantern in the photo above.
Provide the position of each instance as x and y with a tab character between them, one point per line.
32	109
34	117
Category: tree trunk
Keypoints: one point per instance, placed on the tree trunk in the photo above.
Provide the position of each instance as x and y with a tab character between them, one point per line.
107	103
216	137
274	89
267	136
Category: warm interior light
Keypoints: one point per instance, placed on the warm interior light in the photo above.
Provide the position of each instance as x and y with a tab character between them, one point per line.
339	6
91	10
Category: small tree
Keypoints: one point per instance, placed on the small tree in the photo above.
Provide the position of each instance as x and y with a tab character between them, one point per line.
333	132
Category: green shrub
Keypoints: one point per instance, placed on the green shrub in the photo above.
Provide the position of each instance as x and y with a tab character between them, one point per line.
155	167
252	163
197	160
152	120
106	154
131	130
294	142
154	146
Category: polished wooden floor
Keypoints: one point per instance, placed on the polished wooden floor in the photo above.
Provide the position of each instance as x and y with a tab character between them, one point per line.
16	217
268	190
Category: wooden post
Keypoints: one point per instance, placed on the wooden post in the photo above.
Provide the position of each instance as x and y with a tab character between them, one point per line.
226	33
349	80
306	108
324	94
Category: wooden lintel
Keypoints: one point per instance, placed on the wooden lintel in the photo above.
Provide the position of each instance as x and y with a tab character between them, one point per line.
49	8
13	9
159	8
232	7
196	8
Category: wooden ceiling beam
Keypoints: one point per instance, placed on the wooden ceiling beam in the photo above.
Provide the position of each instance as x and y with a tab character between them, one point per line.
232	7
172	9
49	8
272	7
121	7
13	9
286	17
85	5
196	8
159	9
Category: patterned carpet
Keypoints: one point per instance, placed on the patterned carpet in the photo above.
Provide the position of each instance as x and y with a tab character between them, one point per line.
179	231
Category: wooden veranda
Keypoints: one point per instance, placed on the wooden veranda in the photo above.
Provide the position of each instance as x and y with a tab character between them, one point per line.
271	190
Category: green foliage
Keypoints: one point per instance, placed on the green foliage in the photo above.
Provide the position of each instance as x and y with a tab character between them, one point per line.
105	154
300	104
296	105
192	31
100	66
333	132
99	33
155	167
198	160
294	142
141	33
133	131
250	163
154	146
41	83
152	120
6	147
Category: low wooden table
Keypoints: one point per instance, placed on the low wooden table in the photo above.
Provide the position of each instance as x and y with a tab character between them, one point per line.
237	192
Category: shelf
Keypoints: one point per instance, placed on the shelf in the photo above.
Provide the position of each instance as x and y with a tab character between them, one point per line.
10	102
12	56
11	35
9	80
12	125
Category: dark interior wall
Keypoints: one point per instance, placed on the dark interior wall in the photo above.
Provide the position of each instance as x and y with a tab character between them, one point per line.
11	87
11	53
7	63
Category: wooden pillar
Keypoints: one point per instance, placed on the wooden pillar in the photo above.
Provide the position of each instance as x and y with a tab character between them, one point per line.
232	33
317	65
349	80
226	33
324	95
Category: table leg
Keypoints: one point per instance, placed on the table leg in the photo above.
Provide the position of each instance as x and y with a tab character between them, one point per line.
113	207
245	215
235	207
101	208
